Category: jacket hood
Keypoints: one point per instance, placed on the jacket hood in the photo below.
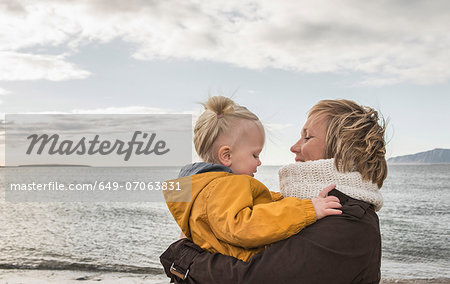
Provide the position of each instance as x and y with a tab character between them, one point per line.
202	167
193	179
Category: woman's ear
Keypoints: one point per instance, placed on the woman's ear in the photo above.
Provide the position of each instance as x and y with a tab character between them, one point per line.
224	155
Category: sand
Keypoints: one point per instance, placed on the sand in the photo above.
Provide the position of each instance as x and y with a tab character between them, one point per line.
416	281
16	276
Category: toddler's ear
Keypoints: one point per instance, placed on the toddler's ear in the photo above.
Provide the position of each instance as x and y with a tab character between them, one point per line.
224	155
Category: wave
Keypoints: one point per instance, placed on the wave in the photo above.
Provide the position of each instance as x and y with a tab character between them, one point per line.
63	265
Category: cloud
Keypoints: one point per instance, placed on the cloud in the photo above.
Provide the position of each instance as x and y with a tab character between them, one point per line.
118	110
4	92
138	110
21	66
133	110
388	42
123	110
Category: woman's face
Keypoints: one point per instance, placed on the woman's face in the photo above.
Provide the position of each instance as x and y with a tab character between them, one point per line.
311	145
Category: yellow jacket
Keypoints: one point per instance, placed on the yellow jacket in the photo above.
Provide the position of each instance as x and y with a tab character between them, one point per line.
237	215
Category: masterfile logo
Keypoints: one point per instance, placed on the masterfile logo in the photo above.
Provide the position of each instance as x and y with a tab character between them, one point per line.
91	147
96	158
98	140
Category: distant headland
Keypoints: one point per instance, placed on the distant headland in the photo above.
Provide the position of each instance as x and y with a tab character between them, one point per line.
435	156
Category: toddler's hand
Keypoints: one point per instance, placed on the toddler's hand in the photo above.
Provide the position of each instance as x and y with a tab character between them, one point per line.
324	205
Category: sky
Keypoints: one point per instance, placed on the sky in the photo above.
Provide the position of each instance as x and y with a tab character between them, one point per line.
277	58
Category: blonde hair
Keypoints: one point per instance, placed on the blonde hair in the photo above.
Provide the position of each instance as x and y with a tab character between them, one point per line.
354	138
219	117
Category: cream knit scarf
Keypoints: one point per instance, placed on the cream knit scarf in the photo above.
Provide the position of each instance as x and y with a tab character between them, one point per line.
306	179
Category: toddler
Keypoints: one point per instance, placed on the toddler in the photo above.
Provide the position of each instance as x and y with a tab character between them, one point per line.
231	212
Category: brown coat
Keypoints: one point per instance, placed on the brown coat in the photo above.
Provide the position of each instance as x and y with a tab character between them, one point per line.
337	249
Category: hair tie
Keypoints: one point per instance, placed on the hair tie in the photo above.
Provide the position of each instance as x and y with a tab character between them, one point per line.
219	115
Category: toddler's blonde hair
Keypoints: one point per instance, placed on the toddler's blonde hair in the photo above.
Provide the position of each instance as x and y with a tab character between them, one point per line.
354	138
220	116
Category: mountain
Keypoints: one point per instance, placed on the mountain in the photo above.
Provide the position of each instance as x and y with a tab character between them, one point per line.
436	156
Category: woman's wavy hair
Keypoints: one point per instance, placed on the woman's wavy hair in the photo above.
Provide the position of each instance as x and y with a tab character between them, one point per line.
354	138
220	116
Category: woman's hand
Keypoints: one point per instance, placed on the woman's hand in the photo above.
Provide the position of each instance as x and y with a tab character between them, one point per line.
325	205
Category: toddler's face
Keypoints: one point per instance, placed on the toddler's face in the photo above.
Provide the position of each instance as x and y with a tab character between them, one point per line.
245	153
311	145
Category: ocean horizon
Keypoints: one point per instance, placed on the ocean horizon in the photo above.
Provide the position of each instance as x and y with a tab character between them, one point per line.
130	236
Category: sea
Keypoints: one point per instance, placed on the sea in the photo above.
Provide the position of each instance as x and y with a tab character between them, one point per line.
124	236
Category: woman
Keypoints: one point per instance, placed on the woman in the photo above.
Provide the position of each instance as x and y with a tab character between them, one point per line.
341	141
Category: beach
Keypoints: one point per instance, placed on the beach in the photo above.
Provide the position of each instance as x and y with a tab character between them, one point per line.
16	276
120	242
416	281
